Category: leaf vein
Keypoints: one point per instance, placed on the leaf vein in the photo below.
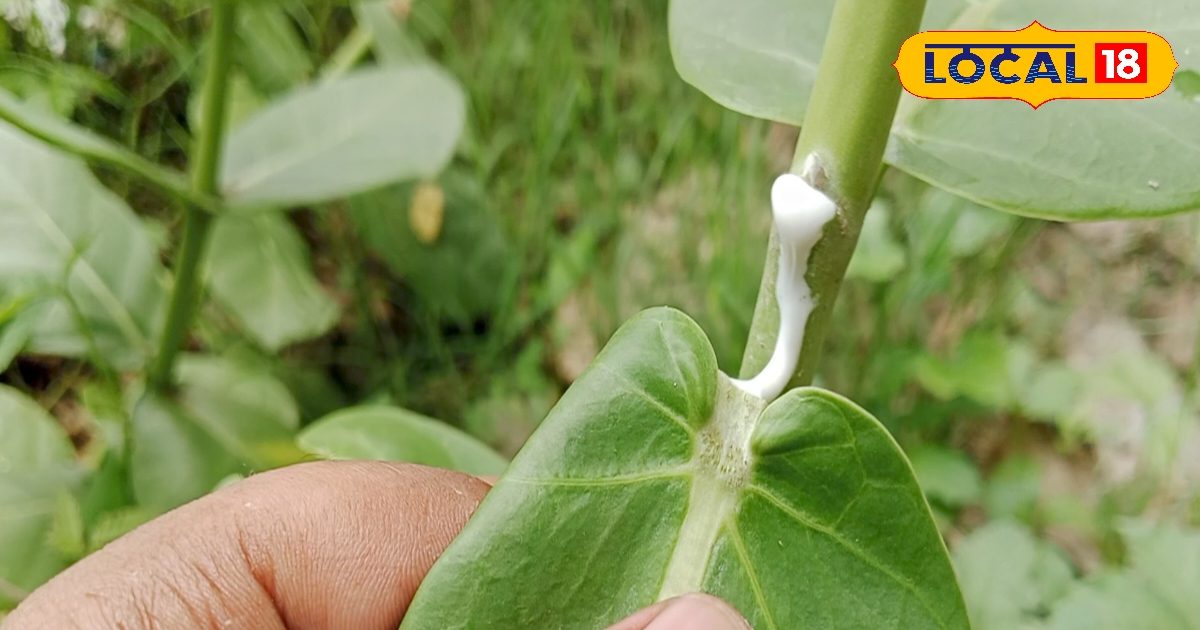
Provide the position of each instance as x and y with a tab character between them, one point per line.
837	537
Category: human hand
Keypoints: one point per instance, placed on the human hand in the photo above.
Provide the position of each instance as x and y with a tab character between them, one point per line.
321	545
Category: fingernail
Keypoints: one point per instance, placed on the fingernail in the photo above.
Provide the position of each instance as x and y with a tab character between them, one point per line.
698	612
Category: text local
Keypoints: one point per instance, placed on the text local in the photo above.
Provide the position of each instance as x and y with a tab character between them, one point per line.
1042	68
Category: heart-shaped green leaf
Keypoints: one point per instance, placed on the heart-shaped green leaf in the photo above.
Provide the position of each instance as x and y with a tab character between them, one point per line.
1068	160
398	435
345	136
656	475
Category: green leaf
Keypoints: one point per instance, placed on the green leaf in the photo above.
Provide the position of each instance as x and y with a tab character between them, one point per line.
60	227
1013	488
110	526
1008	577
398	435
758	57
66	535
345	136
978	369
1069	160
227	418
61	133
655	476
462	273
878	257
389	38
259	271
19	315
947	476
270	50
1157	591
37	466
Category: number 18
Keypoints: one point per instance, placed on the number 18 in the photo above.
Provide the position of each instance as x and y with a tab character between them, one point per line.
1121	63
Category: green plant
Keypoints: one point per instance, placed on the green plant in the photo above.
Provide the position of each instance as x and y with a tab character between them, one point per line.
707	464
631	443
80	275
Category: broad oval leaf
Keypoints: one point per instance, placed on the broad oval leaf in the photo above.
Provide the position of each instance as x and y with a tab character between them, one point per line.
37	467
227	418
398	435
259	270
655	476
758	57
345	136
60	228
1068	160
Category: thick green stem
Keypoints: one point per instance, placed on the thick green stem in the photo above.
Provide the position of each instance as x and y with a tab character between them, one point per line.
185	296
846	127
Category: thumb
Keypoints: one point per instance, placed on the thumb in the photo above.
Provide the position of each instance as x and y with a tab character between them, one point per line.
695	611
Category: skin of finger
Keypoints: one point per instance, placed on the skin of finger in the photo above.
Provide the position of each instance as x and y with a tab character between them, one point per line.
695	611
319	545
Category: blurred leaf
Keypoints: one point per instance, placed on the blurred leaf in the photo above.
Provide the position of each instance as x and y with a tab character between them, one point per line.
518	397
1070	160
19	315
37	465
1009	578
758	57
947	476
389	37
242	101
1052	391
59	226
107	489
460	276
269	50
398	435
192	5
1157	591
878	257
1013	488
978	370
112	525
345	136
66	536
227	418
1129	402
259	270
975	227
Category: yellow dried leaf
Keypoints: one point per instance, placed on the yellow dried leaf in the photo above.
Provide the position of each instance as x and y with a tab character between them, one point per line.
426	212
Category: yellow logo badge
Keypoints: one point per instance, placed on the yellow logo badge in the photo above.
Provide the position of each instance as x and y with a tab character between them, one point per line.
1035	64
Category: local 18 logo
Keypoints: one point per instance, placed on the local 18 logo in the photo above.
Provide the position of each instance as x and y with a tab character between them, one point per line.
1035	64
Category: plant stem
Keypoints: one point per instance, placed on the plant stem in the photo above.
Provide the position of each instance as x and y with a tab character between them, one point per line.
846	126
96	148
185	296
348	54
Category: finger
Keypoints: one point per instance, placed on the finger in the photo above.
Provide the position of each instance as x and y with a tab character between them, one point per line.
321	545
696	611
